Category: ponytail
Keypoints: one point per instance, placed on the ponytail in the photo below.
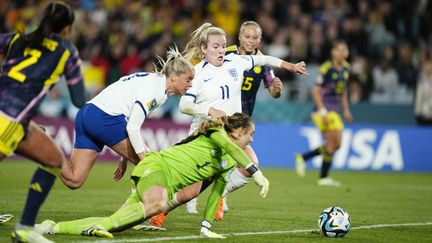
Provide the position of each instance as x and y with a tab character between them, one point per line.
57	15
200	37
175	63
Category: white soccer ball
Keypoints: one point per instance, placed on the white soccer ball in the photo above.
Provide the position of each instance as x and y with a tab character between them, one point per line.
334	222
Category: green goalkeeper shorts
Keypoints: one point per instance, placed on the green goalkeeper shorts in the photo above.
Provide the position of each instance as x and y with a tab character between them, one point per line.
148	173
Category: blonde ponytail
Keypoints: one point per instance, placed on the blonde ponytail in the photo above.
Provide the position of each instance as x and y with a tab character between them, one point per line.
175	63
200	37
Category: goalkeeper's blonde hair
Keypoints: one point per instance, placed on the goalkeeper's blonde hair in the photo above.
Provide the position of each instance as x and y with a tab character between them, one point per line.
175	62
229	123
200	37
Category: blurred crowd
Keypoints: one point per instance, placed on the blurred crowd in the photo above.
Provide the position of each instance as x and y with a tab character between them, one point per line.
390	42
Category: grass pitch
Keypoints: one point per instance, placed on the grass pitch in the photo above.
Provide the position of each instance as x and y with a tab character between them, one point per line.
384	207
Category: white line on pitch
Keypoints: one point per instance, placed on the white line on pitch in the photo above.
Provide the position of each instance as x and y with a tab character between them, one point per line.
189	237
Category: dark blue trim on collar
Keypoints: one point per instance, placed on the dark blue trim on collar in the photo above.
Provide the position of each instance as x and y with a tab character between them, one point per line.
205	63
191	95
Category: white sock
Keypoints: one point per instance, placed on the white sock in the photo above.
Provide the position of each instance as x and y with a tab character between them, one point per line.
235	180
191	206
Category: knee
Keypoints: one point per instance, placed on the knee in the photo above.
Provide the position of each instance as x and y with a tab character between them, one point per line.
74	183
160	206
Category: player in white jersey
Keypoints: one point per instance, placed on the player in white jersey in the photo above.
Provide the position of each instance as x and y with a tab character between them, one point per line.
216	91
115	116
216	88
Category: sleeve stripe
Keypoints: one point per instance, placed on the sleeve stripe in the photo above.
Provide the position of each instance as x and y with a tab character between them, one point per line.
191	95
142	107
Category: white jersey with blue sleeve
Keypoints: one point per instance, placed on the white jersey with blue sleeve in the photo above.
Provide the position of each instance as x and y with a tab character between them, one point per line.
217	87
135	96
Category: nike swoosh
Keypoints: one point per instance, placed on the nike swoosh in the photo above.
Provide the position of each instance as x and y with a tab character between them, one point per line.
206	80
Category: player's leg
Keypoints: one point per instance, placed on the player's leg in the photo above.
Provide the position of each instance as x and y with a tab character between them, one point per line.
89	127
39	147
301	159
333	139
333	135
154	199
181	197
125	149
189	195
75	172
237	178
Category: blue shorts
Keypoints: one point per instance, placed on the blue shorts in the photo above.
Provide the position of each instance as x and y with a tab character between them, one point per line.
94	128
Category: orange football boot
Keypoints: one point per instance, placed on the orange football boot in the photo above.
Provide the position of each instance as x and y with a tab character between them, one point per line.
220	212
158	220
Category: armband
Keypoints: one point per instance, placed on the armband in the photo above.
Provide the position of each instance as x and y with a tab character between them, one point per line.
251	168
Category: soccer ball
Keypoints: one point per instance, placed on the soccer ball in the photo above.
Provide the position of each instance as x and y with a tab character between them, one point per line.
334	222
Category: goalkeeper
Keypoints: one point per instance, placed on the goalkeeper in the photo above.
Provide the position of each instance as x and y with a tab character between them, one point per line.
211	152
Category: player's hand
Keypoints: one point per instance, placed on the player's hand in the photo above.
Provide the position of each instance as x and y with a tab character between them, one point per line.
121	169
348	116
207	233
215	113
300	68
277	83
262	182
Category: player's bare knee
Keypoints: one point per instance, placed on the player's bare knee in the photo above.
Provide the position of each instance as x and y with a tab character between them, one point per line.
74	183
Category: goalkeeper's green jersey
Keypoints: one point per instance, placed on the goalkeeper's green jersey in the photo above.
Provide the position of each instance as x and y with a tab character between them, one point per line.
195	159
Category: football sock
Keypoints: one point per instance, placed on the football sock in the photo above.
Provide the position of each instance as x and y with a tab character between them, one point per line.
309	155
74	227
40	186
327	162
235	180
172	204
124	217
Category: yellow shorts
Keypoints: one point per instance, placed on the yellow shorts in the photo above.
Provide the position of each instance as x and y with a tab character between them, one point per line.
334	122
11	134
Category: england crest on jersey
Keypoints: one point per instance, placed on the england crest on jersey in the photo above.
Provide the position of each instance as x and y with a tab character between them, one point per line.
233	73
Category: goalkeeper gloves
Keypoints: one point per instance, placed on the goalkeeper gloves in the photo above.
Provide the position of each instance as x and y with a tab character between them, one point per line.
261	181
207	233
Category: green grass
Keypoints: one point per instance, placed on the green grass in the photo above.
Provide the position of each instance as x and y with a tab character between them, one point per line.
292	204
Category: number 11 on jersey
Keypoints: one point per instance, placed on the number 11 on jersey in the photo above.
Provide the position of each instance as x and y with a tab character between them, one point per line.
225	92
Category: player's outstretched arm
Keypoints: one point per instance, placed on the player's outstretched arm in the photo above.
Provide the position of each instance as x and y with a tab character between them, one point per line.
222	140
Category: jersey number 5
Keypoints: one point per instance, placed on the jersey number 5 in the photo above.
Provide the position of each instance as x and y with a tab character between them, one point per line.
15	73
247	83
